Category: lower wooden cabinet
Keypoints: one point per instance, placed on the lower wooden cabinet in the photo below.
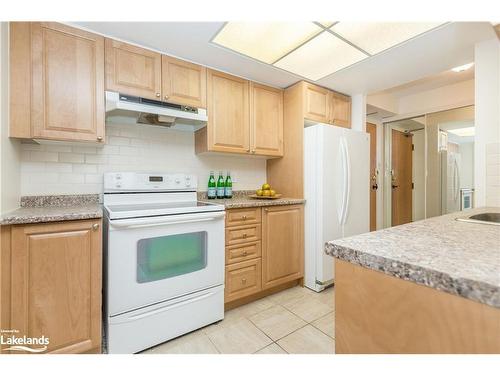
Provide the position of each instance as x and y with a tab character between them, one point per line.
55	283
282	244
265	254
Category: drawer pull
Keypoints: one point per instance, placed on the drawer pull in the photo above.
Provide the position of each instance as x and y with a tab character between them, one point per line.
245	235
243	281
244	217
245	253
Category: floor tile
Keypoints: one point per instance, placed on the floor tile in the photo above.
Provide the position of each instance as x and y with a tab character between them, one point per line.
289	294
308	307
277	322
272	349
326	324
242	337
308	340
327	296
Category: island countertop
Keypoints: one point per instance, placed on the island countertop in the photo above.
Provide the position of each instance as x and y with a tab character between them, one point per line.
460	258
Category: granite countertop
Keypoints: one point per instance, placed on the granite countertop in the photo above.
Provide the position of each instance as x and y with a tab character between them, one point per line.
240	199
43	209
457	257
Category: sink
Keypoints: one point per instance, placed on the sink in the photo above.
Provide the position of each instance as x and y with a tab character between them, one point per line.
492	218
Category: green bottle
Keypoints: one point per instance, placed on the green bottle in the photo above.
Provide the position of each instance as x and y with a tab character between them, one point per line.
228	192
212	189
220	186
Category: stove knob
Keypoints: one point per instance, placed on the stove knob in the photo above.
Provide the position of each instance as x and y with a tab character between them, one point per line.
118	186
188	178
177	181
188	183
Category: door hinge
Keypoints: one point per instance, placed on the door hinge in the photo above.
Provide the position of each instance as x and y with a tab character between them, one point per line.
412	147
412	185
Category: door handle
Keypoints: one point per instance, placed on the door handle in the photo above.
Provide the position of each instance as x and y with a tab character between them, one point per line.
395	186
375	186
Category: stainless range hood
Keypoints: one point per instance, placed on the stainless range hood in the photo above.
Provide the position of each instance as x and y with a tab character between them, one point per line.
122	108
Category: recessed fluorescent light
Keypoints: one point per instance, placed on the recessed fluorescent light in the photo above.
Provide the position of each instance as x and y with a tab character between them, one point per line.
375	37
264	41
464	132
321	56
462	68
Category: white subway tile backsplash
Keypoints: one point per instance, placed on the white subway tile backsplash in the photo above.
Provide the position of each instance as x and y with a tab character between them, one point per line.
70	157
128	148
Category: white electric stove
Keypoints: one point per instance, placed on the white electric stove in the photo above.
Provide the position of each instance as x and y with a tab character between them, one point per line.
164	259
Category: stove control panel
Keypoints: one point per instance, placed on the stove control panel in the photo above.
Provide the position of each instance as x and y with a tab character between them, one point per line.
144	181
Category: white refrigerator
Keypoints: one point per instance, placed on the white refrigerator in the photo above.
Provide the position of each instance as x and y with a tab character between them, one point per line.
336	189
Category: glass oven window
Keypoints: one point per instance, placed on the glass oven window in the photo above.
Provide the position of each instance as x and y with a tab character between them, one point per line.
168	256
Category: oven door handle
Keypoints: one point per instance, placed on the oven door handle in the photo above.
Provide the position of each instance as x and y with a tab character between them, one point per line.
169	220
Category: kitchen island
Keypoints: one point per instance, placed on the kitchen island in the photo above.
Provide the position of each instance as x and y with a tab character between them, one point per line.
432	286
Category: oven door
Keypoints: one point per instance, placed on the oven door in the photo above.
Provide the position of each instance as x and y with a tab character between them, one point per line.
151	260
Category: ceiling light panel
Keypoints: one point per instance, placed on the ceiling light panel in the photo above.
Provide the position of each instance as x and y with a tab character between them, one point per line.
375	37
321	56
265	41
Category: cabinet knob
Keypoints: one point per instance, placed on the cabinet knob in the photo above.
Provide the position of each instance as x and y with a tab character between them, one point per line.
253	151
166	97
243	281
244	235
99	138
95	226
244	217
158	94
244	253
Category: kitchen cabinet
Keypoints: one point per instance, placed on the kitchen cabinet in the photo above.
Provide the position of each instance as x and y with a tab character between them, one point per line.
57	82
243	117
183	82
266	124
264	253
326	106
316	103
55	283
133	70
282	244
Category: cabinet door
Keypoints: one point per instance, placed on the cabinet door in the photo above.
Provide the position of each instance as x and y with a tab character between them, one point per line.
228	113
266	121
316	103
282	245
242	279
340	114
183	82
67	83
133	70
56	278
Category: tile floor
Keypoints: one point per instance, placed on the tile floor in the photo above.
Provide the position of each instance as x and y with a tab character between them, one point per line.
295	321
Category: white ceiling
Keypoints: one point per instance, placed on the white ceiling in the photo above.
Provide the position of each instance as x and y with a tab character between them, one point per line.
429	54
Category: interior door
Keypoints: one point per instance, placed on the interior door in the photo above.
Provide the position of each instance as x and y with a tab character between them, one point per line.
401	157
373	185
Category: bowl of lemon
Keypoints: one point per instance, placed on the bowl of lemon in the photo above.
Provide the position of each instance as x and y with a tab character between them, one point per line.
265	192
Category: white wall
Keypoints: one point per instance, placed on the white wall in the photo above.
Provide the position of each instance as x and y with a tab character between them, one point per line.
418	173
9	148
466	165
61	169
487	121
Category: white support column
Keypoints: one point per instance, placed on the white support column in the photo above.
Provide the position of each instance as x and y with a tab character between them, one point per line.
487	122
358	112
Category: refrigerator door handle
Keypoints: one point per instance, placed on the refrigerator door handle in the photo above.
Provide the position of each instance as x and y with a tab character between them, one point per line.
340	208
348	181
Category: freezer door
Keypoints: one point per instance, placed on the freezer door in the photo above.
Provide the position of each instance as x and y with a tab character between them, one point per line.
357	210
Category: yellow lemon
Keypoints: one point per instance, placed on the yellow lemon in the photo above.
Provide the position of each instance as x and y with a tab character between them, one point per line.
266	193
272	192
266	186
259	193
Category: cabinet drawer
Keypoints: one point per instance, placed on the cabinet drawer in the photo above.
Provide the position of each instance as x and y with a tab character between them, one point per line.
242	279
238	253
243	216
242	234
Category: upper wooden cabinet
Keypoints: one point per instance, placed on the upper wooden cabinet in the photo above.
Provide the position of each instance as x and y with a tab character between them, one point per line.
266	121
133	70
316	103
55	283
323	105
243	117
183	82
282	244
57	82
340	110
228	128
